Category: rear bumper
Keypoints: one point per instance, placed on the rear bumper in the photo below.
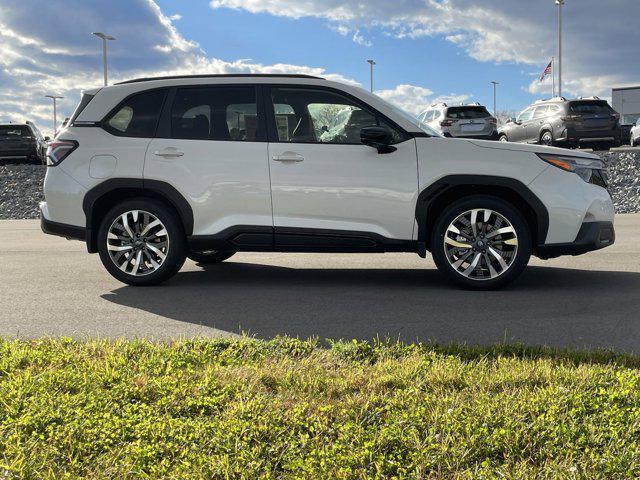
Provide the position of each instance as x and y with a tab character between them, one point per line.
581	137
61	229
592	236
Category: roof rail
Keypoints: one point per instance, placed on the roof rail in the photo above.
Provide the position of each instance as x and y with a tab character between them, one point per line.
557	99
220	75
442	104
592	97
474	104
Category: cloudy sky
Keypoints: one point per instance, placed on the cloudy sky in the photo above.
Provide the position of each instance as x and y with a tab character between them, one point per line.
426	50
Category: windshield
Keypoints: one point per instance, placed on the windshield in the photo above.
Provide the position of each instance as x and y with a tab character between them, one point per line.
591	108
14	131
410	118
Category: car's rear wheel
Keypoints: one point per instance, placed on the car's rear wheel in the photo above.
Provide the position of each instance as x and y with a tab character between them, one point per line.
546	139
632	141
208	257
481	243
601	148
141	242
503	138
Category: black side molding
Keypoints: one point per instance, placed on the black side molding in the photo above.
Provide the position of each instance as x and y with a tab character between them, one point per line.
249	238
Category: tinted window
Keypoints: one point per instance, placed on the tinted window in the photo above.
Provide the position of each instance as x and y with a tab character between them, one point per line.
137	116
526	115
591	108
215	113
321	116
467	112
14	131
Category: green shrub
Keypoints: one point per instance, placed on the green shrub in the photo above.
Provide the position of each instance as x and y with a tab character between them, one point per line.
289	408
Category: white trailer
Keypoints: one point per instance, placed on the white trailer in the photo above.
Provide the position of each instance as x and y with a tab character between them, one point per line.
626	101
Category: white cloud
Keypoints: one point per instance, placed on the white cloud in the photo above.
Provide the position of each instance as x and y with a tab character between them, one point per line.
36	59
415	99
175	17
360	40
600	42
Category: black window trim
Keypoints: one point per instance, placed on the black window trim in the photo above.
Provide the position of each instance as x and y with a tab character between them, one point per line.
164	125
271	120
104	123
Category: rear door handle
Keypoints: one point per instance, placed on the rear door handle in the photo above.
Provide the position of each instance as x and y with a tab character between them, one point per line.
288	157
169	152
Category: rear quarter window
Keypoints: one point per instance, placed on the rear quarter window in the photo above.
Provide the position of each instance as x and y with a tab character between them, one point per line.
137	116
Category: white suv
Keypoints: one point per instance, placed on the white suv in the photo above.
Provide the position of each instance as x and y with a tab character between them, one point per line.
151	171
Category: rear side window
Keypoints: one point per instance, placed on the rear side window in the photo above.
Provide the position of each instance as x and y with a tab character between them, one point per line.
215	113
591	108
137	116
466	113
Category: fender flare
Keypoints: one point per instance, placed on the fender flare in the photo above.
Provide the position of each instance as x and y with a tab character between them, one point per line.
159	188
430	194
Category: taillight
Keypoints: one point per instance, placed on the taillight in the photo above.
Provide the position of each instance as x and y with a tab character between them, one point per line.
493	121
58	150
572	118
447	123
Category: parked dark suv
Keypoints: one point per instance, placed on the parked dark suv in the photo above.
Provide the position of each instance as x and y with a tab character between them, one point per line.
22	141
584	122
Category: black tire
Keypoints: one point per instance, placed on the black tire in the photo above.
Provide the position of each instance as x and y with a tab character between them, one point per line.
506	210
546	138
599	148
632	142
209	257
176	251
502	138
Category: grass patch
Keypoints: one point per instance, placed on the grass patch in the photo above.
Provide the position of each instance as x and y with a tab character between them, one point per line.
295	409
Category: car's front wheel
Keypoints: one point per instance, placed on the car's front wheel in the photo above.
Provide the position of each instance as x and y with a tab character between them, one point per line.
481	243
546	139
141	242
503	138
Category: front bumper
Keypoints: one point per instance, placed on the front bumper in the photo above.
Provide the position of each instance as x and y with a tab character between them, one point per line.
592	236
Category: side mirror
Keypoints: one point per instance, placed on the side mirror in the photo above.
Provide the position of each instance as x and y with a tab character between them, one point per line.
46	139
379	138
513	120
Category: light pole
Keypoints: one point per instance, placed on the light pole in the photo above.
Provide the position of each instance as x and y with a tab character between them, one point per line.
55	112
560	4
495	110
371	64
104	51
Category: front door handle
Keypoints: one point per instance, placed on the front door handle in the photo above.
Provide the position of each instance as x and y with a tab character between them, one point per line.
169	152
288	157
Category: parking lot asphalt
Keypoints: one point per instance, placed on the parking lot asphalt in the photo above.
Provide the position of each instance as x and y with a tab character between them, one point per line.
51	287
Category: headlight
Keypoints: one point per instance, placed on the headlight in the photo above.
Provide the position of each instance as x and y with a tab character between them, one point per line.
591	171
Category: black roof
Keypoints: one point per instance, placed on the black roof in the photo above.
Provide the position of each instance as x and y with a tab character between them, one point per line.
220	75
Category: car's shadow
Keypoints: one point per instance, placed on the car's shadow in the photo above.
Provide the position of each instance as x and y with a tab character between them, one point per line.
552	306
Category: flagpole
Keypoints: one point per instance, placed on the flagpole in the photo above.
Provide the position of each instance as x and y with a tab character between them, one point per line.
553	77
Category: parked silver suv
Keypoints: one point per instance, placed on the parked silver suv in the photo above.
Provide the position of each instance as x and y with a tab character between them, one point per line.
465	121
584	122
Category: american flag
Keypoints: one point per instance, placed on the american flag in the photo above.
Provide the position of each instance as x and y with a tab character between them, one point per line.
547	71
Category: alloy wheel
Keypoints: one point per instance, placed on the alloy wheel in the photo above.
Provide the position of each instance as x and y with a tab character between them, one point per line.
137	242
481	244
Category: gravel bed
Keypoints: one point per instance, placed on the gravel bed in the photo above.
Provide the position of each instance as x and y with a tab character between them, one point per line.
21	191
624	180
21	186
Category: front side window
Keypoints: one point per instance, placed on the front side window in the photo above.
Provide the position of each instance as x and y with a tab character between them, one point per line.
138	115
319	116
215	113
526	115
